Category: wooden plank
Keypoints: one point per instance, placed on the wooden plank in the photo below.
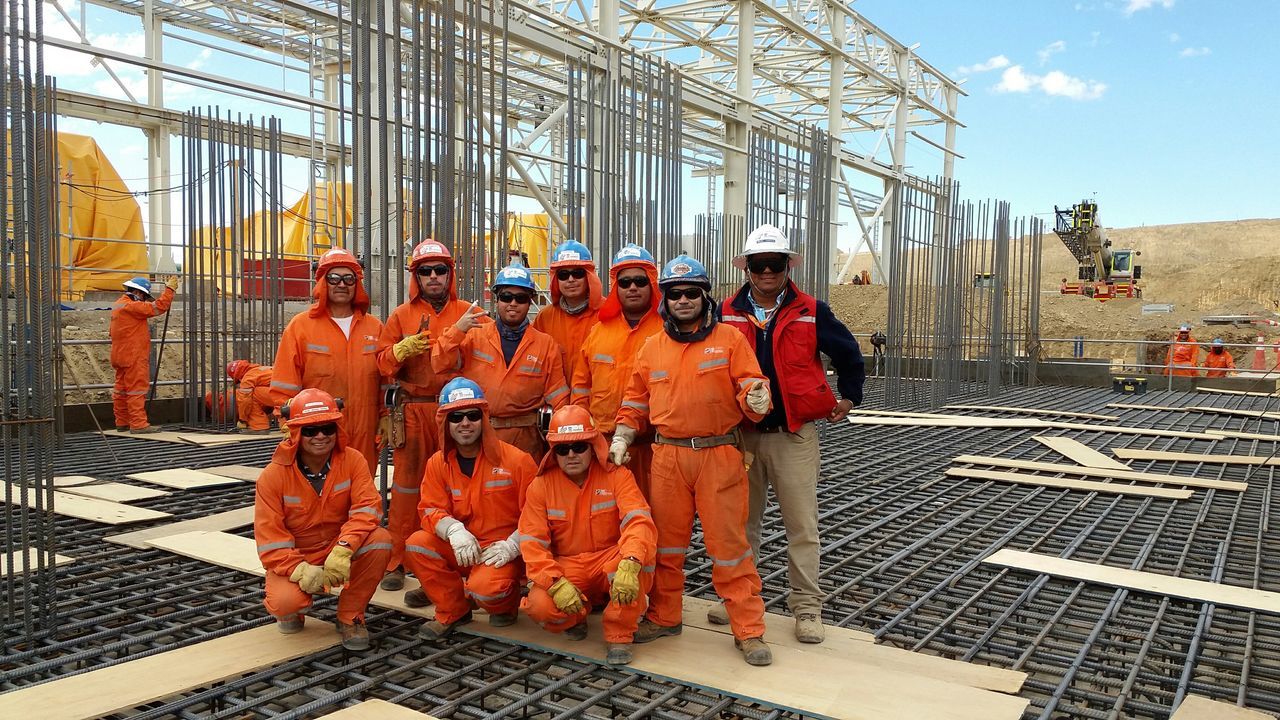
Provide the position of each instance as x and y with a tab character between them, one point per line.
1140	406
83	508
376	710
178	437
950	421
1202	409
29	558
1099	472
1033	411
228	520
1220	391
1136	454
71	480
1087	485
116	492
1123	430
1219	434
182	478
1079	452
1194	707
119	688
1186	588
247	473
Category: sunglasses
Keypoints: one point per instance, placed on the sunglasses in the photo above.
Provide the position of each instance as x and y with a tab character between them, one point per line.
518	298
775	265
575	273
335	279
314	430
458	416
429	270
685	294
577	448
637	281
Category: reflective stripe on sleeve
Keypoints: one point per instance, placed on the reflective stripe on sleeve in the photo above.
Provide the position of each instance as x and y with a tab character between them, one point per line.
282	545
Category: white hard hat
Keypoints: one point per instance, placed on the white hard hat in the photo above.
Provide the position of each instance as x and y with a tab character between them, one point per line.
766	239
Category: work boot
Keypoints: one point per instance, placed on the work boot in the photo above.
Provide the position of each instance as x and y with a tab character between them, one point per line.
290	624
755	651
577	632
146	430
355	636
648	631
619	654
416	598
393	580
122	428
502	619
718	615
435	630
809	628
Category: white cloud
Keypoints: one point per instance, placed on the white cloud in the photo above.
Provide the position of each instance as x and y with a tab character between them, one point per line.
1174	37
1134	6
1191	52
994	63
1050	50
1014	80
1055	83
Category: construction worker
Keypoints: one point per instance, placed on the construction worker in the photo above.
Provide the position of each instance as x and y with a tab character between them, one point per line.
333	346
1219	362
587	538
694	383
254	399
315	520
628	317
131	351
404	354
472	492
519	368
1181	358
788	329
576	297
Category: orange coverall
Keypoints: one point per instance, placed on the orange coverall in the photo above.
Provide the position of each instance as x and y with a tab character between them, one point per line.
488	504
292	524
687	390
1217	364
570	330
419	385
581	534
1181	358
515	392
254	397
131	356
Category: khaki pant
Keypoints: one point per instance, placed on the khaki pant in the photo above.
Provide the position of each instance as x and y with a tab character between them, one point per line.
789	463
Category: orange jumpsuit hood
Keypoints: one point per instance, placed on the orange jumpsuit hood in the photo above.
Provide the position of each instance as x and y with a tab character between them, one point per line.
612	307
415	292
244	369
320	308
599	449
286	453
490	444
595	291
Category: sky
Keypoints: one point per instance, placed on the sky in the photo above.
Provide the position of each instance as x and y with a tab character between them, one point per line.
1164	111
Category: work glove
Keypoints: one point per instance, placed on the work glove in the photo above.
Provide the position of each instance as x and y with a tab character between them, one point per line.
626	583
411	346
310	578
566	597
242	425
758	400
383	436
623	436
500	553
337	567
284	430
173	282
466	549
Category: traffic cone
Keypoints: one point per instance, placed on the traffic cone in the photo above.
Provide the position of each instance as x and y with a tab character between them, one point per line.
1260	355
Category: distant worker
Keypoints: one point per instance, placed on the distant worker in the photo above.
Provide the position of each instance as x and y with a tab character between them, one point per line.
1219	363
878	343
1182	355
333	346
587	538
404	355
131	351
254	400
576	296
789	331
472	492
520	368
316	520
694	384
628	317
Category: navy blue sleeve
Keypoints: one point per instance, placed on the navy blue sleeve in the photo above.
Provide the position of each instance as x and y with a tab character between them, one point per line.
836	342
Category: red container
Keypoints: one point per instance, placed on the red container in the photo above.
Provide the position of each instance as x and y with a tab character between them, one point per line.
258	277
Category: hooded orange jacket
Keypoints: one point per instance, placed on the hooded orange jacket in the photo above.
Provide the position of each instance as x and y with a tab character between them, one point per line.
570	330
130	336
535	377
1217	364
415	374
1181	358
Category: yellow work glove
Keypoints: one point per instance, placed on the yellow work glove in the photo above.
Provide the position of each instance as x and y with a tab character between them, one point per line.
173	282
337	567
384	431
284	430
566	597
309	577
626	583
411	346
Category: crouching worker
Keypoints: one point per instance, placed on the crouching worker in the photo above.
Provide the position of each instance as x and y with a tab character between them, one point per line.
587	538
472	491
315	520
254	400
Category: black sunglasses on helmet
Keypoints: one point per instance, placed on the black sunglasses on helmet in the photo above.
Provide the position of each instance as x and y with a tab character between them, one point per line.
674	294
429	270
576	448
518	298
575	273
637	281
314	430
458	416
760	265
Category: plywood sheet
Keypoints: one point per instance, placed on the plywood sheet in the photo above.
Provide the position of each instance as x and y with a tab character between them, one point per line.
118	688
70	480
1079	452
1034	411
1099	472
247	473
1137	454
1194	707
116	492
1086	485
228	520
29	558
185	438
1200	590
182	478
376	710
78	506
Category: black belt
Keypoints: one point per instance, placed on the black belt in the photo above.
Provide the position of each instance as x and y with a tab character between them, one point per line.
699	443
776	429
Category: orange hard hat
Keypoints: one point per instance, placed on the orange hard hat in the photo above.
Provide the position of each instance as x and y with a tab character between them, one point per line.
429	250
571	424
338	257
236	368
312	406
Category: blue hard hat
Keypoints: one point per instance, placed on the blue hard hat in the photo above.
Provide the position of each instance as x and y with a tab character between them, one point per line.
1217	342
570	251
139	283
460	392
515	275
684	270
632	253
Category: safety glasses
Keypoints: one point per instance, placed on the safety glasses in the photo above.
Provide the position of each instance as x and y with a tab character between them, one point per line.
676	294
567	273
517	298
758	266
429	270
458	416
577	448
314	430
637	281
336	279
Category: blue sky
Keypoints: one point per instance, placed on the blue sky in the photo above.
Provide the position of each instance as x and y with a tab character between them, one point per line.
1166	111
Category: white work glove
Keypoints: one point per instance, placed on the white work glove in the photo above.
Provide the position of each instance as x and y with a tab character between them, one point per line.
500	553
758	399
623	436
466	549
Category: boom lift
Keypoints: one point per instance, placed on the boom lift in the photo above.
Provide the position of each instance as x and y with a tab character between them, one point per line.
1103	273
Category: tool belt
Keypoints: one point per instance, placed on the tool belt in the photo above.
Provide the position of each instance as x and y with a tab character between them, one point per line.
701	443
396	398
529	419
